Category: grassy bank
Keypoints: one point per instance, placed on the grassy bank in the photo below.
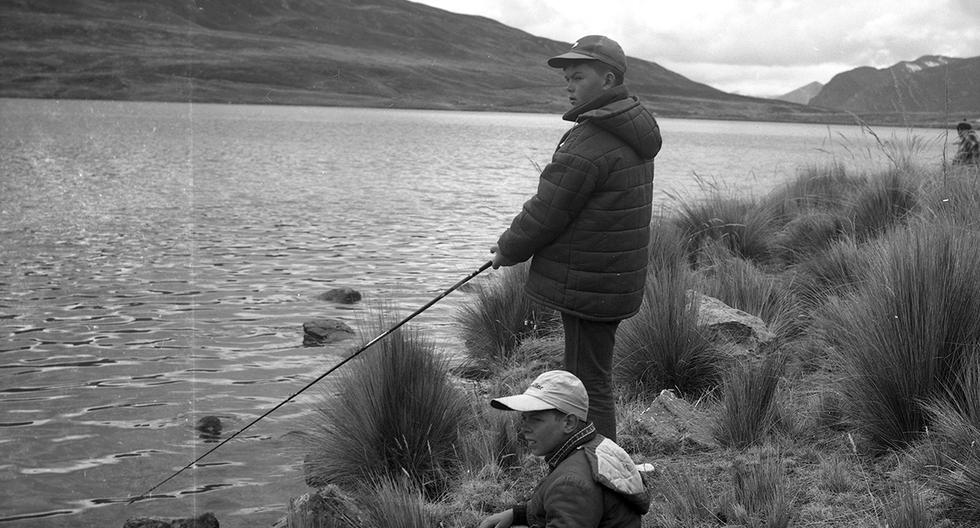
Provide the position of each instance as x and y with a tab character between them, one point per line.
863	411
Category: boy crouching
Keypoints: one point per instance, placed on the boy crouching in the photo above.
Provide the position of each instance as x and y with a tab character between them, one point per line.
591	482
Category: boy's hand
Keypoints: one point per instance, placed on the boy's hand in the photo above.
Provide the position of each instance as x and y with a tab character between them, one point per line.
499	259
499	520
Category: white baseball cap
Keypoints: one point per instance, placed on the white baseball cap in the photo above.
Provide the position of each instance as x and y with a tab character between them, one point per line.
555	389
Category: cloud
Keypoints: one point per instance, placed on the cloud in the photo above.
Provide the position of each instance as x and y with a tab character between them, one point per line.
762	41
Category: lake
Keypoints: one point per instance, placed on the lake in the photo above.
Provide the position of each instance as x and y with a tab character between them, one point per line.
157	262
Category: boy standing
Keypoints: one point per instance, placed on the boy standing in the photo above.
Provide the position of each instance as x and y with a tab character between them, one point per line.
592	482
588	226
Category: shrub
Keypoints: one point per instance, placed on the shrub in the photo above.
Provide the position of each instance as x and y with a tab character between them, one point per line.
394	413
904	334
749	411
662	346
501	318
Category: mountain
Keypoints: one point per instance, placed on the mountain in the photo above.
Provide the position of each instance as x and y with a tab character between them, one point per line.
930	83
376	53
801	95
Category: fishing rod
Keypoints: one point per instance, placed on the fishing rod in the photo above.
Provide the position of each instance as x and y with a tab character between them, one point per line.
383	335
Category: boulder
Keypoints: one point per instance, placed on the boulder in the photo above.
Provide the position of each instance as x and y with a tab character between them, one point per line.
319	332
341	295
675	424
209	427
328	506
740	328
205	520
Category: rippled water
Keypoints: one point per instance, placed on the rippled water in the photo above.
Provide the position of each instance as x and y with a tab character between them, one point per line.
157	262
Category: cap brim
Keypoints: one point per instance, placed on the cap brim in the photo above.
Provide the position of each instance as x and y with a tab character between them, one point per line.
560	60
520	402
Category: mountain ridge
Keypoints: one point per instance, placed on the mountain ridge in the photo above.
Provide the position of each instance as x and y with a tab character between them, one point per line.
931	83
373	53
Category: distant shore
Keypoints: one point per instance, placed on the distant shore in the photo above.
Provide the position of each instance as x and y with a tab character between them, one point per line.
818	117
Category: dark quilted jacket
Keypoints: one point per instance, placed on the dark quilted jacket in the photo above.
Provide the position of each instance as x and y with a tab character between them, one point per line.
588	225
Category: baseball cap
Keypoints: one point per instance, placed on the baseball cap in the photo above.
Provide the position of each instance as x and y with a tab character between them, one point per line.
555	389
593	47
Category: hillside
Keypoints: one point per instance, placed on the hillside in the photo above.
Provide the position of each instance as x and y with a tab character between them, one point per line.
928	84
378	53
801	95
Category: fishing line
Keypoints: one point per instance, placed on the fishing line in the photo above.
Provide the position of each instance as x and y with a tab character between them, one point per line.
385	334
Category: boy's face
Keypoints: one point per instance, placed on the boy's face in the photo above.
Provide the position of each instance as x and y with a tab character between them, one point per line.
544	431
584	83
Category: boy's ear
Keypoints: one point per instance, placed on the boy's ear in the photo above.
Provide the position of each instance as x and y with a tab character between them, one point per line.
569	423
609	80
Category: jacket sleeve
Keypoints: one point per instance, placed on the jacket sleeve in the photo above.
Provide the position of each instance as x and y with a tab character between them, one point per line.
572	503
563	190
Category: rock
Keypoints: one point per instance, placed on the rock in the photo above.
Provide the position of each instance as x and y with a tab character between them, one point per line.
738	327
205	520
341	295
328	506
674	423
209	427
319	332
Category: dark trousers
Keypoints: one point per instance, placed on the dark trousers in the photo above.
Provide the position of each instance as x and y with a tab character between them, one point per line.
589	355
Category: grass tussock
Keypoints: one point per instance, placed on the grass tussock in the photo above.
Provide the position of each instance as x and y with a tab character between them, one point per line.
761	493
662	347
745	228
903	337
749	408
500	318
395	413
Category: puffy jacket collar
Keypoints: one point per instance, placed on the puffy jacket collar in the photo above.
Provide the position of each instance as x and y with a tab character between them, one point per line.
583	436
621	114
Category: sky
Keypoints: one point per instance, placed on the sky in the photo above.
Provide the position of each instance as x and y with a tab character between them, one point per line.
751	47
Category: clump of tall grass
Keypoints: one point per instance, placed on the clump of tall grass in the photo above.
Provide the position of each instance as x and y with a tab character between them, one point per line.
686	500
908	510
501	318
743	226
761	492
808	234
396	504
838	270
749	410
662	346
954	198
955	433
668	247
887	200
904	334
394	413
815	188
